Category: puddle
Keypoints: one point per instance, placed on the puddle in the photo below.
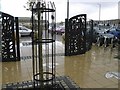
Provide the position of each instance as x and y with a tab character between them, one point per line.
112	75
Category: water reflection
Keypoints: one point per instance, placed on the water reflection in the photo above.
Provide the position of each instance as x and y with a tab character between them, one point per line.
10	71
91	66
77	67
13	72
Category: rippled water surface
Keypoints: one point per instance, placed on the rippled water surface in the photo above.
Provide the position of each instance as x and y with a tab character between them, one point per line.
87	70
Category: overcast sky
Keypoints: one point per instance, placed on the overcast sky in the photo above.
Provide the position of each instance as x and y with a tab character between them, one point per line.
109	8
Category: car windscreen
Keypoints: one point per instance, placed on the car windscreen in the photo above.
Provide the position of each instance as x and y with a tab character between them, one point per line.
23	28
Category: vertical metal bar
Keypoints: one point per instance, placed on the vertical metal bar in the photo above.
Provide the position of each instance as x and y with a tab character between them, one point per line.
48	19
46	45
41	31
36	49
54	43
33	62
17	38
52	17
67	9
12	37
40	44
91	31
54	39
85	18
0	36
45	24
66	38
118	39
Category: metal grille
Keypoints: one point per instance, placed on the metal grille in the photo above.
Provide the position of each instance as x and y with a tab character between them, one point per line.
8	39
89	35
75	35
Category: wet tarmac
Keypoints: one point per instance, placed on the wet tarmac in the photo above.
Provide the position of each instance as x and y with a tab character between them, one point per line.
87	70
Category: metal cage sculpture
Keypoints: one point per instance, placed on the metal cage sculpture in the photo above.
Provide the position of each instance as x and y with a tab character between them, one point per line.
43	44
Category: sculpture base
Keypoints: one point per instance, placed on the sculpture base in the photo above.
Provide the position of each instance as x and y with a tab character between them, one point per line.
61	83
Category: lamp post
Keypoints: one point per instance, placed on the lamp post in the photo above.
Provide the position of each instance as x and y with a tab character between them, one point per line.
99	13
67	9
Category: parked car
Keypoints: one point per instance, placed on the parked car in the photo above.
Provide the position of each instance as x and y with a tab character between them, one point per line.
106	39
50	30
58	30
115	31
24	31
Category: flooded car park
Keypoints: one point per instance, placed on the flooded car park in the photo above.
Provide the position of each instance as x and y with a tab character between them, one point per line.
87	70
97	68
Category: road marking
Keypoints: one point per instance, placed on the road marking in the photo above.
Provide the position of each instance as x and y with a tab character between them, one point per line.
112	74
